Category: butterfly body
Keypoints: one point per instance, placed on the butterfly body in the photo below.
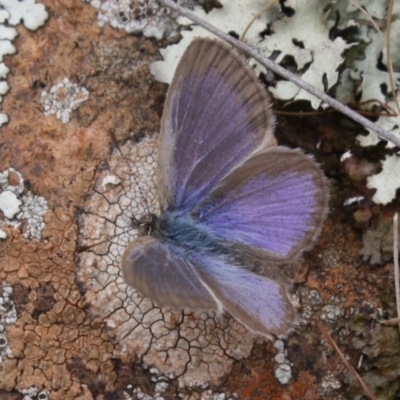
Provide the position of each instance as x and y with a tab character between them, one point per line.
185	232
232	202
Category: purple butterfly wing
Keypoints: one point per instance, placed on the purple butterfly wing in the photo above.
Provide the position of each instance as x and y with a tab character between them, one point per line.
260	303
159	271
275	203
216	115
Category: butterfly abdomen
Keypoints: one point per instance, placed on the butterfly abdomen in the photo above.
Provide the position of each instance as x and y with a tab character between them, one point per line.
185	232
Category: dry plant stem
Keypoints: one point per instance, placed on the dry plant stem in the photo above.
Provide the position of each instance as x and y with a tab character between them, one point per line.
389	20
388	53
269	5
371	20
396	261
390	322
329	339
253	53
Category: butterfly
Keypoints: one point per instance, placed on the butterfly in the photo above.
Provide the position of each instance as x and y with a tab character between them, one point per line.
234	205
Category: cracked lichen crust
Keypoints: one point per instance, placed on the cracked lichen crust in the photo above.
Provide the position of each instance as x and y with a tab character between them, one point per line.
196	347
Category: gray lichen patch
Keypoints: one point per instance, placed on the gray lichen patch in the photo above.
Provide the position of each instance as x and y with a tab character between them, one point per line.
8	315
378	242
33	393
195	347
62	99
20	208
148	17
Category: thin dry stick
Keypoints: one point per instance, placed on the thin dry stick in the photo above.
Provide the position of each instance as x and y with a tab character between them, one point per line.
329	339
269	5
396	261
253	53
366	14
390	322
388	53
386	41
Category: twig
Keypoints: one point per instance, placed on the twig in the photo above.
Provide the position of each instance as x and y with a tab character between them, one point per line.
253	53
391	322
329	339
371	20
264	9
396	261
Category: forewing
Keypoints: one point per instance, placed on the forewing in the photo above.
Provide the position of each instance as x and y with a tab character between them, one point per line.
216	115
160	272
276	203
260	303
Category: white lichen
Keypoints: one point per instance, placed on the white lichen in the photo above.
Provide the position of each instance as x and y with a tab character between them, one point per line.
62	99
304	36
14	12
8	315
157	395
330	382
148	17
353	200
33	393
387	182
333	310
234	16
391	124
110	180
283	372
21	208
27	12
9	204
346	155
32	213
373	81
195	347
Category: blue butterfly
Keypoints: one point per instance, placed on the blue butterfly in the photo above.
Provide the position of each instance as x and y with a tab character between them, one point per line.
234	205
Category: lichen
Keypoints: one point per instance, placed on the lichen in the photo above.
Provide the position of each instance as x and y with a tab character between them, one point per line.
387	182
21	209
13	13
283	372
148	17
196	347
378	242
62	99
8	315
315	39
234	16
379	346
33	393
32	15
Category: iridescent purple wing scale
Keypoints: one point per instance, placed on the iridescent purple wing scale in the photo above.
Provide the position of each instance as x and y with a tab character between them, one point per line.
216	115
261	304
274	203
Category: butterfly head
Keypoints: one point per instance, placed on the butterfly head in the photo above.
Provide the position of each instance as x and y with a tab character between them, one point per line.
147	225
